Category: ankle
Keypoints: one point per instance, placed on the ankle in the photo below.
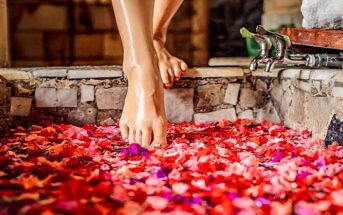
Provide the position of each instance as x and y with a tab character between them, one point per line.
160	37
134	69
136	58
139	50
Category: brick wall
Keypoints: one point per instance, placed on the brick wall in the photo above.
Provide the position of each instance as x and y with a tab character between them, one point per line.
42	34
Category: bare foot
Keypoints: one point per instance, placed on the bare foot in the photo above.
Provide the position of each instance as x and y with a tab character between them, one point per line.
143	119
171	68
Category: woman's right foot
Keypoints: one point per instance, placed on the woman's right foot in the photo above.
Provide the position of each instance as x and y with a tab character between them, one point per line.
143	119
171	68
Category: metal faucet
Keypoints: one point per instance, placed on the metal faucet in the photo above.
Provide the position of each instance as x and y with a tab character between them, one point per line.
265	45
275	49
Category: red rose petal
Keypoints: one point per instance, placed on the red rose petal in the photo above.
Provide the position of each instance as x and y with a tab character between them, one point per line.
239	167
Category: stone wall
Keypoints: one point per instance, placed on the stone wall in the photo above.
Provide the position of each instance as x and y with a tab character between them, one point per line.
308	98
83	95
86	95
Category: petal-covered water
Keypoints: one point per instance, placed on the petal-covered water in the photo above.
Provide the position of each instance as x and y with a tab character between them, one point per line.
226	167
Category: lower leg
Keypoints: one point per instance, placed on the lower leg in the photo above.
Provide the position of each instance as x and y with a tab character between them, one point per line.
143	119
170	67
164	10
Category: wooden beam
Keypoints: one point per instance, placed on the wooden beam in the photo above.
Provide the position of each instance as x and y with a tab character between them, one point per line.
321	38
200	32
4	38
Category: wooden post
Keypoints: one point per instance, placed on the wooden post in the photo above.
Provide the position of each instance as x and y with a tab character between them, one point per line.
200	32
4	38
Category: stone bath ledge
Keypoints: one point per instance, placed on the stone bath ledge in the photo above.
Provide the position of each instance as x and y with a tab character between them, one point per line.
82	95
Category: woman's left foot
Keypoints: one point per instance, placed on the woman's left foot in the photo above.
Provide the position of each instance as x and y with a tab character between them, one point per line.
171	68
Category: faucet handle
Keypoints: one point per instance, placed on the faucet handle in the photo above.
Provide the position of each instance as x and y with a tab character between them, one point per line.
264	43
280	42
262	31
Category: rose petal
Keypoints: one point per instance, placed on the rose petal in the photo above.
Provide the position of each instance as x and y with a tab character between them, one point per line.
156	202
180	188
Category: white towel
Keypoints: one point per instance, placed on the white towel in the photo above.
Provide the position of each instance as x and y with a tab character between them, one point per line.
326	14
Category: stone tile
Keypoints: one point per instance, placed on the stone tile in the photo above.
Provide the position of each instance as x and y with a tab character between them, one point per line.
231	94
214	72
285	102
305	74
5	93
46	97
305	86
339	77
179	104
66	97
229	114
295	114
323	74
276	93
104	116
269	113
209	95
49	83
50	73
87	93
316	88
337	92
112	98
336	103
94	73
261	85
13	74
22	91
291	73
109	121
85	114
229	61
247	98
20	106
318	114
247	114
286	84
261	73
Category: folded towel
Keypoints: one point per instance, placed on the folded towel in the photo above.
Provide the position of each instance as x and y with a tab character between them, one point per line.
326	14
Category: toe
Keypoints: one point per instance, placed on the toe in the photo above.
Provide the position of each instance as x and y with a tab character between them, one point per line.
184	66
164	74
160	134
146	137
138	136
124	130
132	135
171	77
177	71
